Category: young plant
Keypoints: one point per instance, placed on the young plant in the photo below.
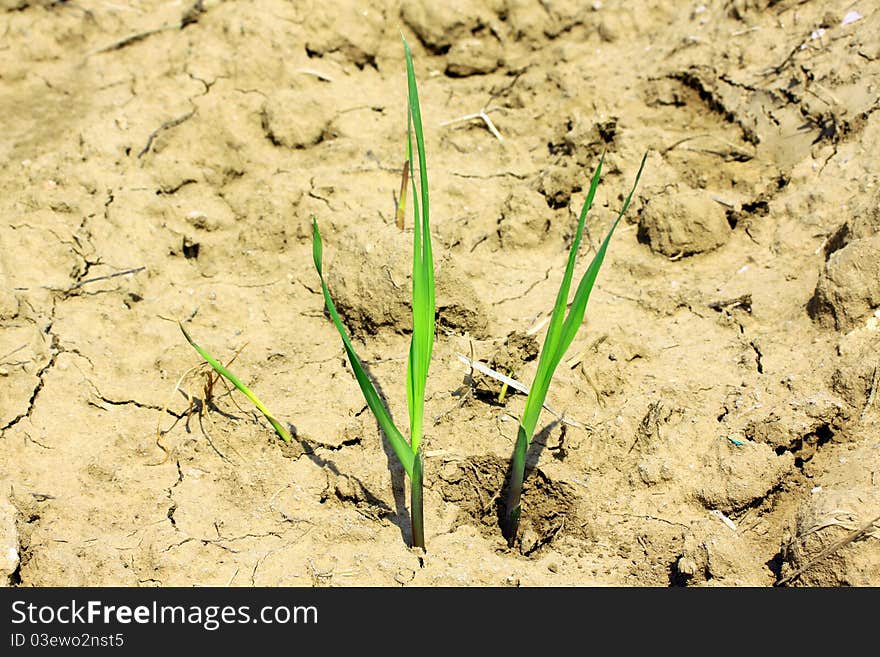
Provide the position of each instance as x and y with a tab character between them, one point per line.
408	453
283	433
560	333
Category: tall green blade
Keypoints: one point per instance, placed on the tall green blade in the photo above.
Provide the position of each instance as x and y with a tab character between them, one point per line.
423	301
398	443
416	115
220	369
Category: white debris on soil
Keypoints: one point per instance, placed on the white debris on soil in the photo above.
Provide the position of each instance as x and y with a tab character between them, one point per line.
851	17
723	518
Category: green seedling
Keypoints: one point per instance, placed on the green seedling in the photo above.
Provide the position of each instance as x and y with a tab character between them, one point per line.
408	453
560	333
503	393
283	433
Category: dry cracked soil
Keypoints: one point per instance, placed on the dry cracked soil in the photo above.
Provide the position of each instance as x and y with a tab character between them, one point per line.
718	412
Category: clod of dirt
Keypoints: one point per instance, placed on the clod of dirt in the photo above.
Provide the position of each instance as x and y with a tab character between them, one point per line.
654	469
864	221
865	215
8	542
518	348
346	490
801	426
857	378
330	29
848	290
371	281
474	485
525	219
578	145
200	210
681	221
716	555
835	542
550	21
474	57
294	119
613	26
743	476
558	182
441	24
549	507
585	141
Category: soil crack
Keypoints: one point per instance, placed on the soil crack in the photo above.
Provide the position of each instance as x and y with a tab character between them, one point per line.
167	125
133	402
758	356
41	381
172	509
526	291
190	16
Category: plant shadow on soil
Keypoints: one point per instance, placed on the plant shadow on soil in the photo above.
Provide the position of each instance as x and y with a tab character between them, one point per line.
361	494
401	516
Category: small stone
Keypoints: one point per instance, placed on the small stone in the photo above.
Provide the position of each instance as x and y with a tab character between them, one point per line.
450	473
608	31
687	566
404	576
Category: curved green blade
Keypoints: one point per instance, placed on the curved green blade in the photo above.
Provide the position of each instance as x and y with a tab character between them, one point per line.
398	443
220	369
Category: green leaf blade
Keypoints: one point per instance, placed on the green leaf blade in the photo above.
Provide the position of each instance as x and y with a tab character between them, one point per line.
383	417
551	352
423	293
218	367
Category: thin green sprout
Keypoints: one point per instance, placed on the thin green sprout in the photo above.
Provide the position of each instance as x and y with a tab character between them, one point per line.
560	334
283	433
